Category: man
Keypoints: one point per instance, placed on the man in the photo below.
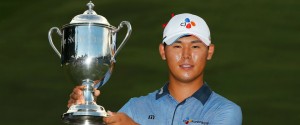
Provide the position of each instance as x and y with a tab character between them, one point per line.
186	98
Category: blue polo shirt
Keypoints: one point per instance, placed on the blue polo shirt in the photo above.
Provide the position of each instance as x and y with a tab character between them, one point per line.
204	107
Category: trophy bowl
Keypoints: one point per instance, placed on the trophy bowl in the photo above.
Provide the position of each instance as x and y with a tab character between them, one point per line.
88	51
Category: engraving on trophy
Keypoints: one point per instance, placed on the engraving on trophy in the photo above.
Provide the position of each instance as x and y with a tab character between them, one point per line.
71	40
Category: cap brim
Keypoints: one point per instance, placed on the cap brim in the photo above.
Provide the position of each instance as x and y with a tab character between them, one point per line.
171	39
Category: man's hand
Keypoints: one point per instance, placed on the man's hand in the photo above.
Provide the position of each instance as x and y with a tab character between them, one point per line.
118	119
76	97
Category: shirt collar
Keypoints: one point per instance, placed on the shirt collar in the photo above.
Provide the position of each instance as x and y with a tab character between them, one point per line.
163	91
201	94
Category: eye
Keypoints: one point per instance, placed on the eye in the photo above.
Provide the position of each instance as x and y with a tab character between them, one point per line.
176	46
195	46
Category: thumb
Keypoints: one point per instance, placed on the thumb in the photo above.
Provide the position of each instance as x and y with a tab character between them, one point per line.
110	113
96	92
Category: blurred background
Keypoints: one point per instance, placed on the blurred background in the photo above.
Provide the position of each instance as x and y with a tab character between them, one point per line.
256	62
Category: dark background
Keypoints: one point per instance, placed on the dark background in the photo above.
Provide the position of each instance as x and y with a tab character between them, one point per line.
256	62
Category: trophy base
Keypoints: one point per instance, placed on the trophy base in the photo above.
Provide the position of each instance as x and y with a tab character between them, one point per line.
91	114
69	118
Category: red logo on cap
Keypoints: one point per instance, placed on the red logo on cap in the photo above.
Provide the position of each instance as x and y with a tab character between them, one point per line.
165	24
188	23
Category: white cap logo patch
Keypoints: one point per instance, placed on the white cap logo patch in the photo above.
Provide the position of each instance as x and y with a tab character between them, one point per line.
188	23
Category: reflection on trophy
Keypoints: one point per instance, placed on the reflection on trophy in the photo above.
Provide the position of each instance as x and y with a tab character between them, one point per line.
88	51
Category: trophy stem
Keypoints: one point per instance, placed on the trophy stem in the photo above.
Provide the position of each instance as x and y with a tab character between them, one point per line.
88	91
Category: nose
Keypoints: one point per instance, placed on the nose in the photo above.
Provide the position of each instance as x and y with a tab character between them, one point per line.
186	53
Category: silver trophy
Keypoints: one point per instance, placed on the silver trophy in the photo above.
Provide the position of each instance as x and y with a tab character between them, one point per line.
88	51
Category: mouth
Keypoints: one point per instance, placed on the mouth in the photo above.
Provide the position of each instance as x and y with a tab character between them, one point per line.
186	66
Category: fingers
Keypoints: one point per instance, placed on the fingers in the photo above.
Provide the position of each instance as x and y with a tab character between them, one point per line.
77	93
76	97
118	119
96	92
112	118
70	103
82	87
111	113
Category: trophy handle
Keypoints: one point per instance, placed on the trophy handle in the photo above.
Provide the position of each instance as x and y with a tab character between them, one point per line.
50	39
129	29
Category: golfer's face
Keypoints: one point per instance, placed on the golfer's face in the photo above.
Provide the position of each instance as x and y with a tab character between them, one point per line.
186	58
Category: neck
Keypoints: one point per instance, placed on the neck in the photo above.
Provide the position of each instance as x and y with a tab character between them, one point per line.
182	90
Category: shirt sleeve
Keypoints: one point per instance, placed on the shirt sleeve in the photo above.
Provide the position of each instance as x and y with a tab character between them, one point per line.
127	109
228	115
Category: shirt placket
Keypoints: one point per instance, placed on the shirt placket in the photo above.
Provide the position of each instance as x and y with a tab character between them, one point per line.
175	111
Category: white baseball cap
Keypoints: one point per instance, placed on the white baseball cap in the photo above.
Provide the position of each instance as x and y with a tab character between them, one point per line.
186	24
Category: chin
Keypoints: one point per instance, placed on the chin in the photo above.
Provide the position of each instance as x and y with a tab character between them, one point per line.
187	80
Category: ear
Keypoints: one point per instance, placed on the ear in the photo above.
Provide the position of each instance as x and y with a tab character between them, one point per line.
211	50
162	51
